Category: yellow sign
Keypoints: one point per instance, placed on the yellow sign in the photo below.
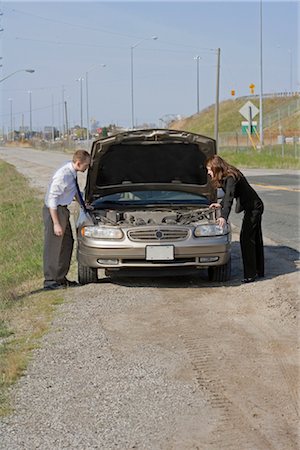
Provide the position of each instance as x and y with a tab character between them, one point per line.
252	86
232	92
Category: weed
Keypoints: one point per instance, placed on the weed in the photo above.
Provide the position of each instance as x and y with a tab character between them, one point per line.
24	318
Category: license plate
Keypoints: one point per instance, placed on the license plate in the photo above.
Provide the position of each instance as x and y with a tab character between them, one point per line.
159	252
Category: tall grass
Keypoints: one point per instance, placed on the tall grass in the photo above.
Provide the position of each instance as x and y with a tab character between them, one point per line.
23	317
269	158
20	232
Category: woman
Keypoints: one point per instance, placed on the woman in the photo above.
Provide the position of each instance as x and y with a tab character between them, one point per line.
235	185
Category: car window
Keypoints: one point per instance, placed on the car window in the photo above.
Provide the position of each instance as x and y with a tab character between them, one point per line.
157	197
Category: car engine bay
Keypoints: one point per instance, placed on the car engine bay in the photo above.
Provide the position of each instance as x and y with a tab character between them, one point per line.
157	217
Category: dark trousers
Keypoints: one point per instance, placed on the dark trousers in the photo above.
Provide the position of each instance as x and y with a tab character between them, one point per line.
57	249
252	243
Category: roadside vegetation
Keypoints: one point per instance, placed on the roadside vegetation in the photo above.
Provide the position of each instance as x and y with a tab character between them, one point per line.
281	119
268	158
280	113
25	310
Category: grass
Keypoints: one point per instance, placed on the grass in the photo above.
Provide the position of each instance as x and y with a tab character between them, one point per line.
24	317
268	158
230	117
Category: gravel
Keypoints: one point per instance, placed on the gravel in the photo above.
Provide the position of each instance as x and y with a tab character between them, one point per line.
86	389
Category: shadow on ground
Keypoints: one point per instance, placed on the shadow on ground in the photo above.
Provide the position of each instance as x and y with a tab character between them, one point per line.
279	260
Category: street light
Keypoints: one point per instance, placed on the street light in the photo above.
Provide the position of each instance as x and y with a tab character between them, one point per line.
87	100
261	131
217	97
131	71
81	115
291	69
20	70
11	121
197	58
30	114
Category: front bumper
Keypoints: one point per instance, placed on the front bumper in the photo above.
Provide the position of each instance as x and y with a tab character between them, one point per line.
193	252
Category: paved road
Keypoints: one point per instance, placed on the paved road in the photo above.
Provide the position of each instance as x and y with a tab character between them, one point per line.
280	193
279	190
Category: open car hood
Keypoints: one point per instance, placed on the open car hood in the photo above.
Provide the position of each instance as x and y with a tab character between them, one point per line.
150	159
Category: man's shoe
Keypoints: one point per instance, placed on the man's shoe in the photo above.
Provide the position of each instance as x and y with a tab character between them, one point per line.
249	280
54	286
69	283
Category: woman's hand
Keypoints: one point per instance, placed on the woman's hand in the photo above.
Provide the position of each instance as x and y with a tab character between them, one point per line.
215	205
221	222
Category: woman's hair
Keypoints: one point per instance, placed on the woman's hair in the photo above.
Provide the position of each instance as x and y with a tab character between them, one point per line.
221	169
81	155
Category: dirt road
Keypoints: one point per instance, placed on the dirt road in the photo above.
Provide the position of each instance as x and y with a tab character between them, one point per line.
170	363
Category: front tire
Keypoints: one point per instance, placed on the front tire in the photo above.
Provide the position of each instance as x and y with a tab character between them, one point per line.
220	273
87	275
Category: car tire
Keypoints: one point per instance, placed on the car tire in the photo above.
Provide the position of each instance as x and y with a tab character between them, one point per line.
220	273
87	275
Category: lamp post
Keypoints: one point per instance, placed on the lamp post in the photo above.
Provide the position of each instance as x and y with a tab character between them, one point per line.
131	73
261	131
20	70
30	114
80	79
11	121
197	58
87	100
217	97
291	69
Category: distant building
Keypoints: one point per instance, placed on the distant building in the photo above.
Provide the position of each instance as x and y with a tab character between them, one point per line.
50	133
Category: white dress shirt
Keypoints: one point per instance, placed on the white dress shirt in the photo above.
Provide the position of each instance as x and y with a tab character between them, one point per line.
62	187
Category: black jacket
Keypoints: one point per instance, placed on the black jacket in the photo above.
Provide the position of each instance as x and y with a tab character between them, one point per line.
246	197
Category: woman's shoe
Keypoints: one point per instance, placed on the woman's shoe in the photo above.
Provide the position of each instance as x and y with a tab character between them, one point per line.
248	280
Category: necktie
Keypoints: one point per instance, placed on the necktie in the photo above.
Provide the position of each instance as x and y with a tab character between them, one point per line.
81	201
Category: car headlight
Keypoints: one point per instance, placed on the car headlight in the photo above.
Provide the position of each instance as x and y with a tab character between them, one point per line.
210	230
97	232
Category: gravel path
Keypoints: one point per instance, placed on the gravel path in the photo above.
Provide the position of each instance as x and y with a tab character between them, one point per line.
84	390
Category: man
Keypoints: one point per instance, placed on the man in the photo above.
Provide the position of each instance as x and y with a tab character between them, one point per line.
58	238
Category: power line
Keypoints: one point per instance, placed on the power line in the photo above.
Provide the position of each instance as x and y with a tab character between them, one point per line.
102	30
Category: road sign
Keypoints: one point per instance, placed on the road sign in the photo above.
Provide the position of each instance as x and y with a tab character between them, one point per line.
249	111
245	127
252	86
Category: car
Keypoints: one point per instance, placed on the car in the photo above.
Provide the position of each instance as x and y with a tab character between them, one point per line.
149	199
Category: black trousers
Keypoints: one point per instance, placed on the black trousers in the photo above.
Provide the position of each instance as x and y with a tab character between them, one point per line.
57	249
251	241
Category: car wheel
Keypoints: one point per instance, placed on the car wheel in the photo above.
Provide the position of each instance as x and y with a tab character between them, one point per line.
220	273
87	274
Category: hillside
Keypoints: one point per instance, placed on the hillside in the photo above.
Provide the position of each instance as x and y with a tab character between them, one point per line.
281	116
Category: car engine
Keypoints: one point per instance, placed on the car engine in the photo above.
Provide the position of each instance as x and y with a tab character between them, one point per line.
157	217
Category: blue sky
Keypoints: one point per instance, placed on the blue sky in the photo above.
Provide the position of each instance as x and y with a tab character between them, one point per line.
63	41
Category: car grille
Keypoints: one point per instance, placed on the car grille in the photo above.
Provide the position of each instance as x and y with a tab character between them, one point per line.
158	234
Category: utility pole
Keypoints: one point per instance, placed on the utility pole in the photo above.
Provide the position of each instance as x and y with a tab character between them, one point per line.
197	58
217	97
66	120
261	130
30	114
63	111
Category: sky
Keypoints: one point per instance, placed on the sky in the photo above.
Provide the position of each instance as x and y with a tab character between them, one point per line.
81	46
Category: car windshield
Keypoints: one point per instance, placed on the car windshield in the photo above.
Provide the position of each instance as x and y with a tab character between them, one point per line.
150	197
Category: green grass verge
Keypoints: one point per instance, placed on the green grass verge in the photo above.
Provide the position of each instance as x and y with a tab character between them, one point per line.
24	317
268	158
